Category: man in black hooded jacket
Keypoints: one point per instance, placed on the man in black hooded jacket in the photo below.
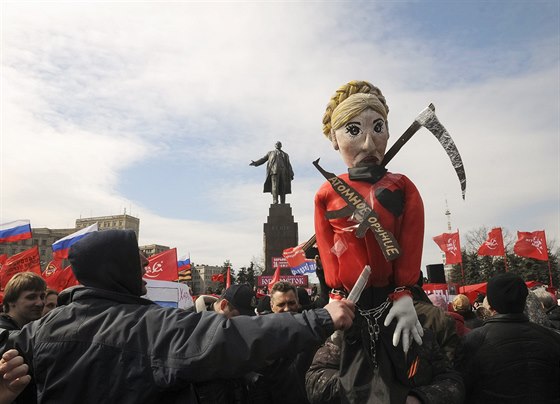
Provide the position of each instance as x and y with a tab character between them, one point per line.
109	345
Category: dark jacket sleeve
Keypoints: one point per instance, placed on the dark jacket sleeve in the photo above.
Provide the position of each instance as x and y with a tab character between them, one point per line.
205	346
446	386
322	382
441	324
177	347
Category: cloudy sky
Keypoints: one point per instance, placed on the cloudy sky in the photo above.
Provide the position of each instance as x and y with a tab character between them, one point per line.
159	107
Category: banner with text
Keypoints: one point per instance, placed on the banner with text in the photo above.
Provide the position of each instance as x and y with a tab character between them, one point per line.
296	280
279	262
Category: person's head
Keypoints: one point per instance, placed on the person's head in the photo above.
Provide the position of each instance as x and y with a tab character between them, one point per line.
483	313
438	301
24	297
144	262
51	297
278	145
461	304
547	300
263	306
236	300
355	121
478	301
109	260
304	300
283	298
486	306
534	310
507	293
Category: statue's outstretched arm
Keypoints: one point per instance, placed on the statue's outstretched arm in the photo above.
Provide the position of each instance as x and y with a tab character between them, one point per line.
259	161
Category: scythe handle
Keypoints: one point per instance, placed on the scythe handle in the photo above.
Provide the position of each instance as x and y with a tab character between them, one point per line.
405	137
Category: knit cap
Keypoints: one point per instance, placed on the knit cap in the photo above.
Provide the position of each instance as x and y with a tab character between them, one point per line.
507	293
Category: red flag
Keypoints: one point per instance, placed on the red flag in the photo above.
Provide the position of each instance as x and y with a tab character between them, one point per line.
274	279
27	260
58	278
52	269
218	278
531	245
450	244
295	256
68	274
494	244
3	258
228	278
163	266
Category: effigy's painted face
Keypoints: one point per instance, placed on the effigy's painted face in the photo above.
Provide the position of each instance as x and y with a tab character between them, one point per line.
362	140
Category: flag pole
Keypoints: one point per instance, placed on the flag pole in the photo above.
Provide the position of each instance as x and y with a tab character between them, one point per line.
550	273
228	277
505	261
462	274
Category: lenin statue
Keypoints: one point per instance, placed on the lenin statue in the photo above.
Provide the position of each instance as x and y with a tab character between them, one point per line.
279	173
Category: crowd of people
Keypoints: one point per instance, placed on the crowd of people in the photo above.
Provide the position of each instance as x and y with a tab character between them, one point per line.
105	343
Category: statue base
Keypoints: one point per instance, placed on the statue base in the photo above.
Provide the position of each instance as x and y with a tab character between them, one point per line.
280	232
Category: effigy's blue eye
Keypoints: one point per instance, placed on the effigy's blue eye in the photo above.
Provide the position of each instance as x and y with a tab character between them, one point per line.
378	127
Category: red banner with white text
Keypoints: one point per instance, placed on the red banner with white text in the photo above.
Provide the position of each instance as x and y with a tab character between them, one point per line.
494	244
450	244
163	266
27	260
531	245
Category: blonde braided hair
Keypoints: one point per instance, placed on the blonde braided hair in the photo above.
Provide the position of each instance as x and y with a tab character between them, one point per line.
353	87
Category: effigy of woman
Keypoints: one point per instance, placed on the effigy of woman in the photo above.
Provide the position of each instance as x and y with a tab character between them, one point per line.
369	197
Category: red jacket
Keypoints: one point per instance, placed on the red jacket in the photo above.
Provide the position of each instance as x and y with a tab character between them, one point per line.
399	207
459	323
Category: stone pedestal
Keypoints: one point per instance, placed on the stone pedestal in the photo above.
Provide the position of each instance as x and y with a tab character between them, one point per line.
280	232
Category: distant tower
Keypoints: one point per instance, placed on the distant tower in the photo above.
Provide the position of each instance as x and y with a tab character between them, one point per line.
447	268
448	214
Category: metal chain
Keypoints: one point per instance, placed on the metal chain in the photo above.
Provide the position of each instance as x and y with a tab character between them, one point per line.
371	316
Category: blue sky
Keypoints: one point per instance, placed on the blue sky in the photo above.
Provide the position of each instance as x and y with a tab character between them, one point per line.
159	108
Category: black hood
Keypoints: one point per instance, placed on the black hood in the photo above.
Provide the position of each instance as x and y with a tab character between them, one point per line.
108	260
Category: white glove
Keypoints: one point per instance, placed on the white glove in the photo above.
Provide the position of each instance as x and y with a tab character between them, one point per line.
407	322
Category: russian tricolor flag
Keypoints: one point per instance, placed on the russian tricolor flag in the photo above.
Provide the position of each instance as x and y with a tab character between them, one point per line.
15	231
61	247
184	263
